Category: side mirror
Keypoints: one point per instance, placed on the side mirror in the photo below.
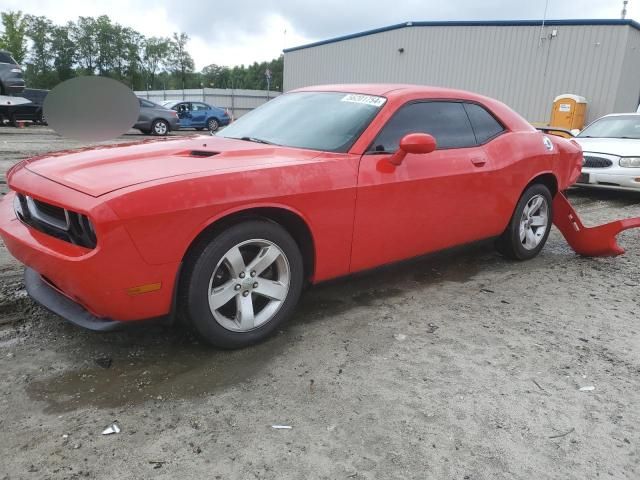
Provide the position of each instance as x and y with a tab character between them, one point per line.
416	143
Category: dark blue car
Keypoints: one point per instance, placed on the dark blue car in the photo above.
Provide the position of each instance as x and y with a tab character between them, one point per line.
199	115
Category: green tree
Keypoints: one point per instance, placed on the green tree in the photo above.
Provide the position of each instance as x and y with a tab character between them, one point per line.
106	35
155	51
63	51
14	35
39	31
179	59
83	35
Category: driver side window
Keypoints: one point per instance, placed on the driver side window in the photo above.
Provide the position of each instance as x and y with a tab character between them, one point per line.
447	122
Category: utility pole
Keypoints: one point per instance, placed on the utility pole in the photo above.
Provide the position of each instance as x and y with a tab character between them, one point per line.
268	75
623	14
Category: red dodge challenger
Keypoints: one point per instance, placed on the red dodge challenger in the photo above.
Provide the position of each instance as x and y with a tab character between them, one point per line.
225	230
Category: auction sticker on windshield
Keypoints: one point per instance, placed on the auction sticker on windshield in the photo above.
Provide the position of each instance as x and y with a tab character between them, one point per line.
366	99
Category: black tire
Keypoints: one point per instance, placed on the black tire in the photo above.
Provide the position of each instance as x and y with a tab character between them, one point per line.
13	120
200	266
213	124
160	127
509	243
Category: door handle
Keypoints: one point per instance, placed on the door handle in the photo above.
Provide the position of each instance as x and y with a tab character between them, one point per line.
479	161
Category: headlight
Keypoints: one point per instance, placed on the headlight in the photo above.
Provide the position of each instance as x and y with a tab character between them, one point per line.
630	162
16	70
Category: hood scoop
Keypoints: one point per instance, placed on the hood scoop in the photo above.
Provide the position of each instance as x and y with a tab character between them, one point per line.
200	153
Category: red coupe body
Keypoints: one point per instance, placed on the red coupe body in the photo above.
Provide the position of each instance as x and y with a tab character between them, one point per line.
149	202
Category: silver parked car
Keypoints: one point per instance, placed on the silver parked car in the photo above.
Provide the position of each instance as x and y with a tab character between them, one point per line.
155	119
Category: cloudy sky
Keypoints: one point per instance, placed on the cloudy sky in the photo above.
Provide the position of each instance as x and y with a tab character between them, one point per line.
243	31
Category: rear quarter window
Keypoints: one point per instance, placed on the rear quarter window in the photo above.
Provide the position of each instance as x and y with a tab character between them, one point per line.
6	58
485	126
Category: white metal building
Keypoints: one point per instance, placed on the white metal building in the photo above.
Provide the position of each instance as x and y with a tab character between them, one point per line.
523	63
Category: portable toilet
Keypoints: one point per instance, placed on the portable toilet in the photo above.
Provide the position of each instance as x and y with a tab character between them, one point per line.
568	111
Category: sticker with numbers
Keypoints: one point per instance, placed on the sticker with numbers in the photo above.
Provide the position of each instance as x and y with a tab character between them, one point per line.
365	99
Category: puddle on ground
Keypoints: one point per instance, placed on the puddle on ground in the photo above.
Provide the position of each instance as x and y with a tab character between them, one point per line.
144	370
169	373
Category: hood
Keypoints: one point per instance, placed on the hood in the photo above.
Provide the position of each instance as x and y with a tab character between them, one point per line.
622	147
99	170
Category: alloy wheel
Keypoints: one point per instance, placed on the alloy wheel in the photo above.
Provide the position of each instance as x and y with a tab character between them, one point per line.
160	128
249	285
534	222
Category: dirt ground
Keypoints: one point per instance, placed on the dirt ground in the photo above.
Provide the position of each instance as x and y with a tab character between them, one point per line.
461	365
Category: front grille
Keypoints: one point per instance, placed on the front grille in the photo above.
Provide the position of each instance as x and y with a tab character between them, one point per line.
591	161
56	221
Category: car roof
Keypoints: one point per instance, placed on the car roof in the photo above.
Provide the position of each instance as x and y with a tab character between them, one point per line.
391	89
632	114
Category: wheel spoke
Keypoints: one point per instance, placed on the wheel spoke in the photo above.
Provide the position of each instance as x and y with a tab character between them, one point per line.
221	295
272	290
534	205
538	221
235	261
264	259
523	233
531	239
245	315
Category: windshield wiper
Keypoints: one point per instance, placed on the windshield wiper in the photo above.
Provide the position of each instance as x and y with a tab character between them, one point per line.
256	140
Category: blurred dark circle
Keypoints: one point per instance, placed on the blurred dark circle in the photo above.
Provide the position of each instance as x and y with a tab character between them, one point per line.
91	109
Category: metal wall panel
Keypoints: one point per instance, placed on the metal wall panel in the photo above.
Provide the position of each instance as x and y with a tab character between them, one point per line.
237	101
628	93
523	66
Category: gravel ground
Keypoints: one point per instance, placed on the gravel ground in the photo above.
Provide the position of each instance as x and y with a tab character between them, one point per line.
460	365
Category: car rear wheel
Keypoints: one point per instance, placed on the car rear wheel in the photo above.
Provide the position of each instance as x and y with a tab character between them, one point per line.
239	286
530	225
213	125
159	127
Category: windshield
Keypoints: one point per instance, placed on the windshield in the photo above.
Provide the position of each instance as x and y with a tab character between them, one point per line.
627	126
327	121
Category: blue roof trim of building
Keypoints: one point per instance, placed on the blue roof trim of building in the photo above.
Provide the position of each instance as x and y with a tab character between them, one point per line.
469	23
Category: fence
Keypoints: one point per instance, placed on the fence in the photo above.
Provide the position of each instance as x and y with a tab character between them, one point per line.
238	102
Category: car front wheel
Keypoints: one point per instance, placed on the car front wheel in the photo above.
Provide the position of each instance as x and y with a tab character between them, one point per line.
240	285
160	127
530	225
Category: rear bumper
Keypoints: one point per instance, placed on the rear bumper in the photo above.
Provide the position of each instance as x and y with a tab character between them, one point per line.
14	85
174	124
99	281
51	299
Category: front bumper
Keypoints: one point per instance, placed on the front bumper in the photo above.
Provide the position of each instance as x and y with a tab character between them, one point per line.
610	178
98	280
51	299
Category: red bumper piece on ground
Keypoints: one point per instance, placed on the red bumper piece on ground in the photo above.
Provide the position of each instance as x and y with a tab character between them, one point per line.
597	241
